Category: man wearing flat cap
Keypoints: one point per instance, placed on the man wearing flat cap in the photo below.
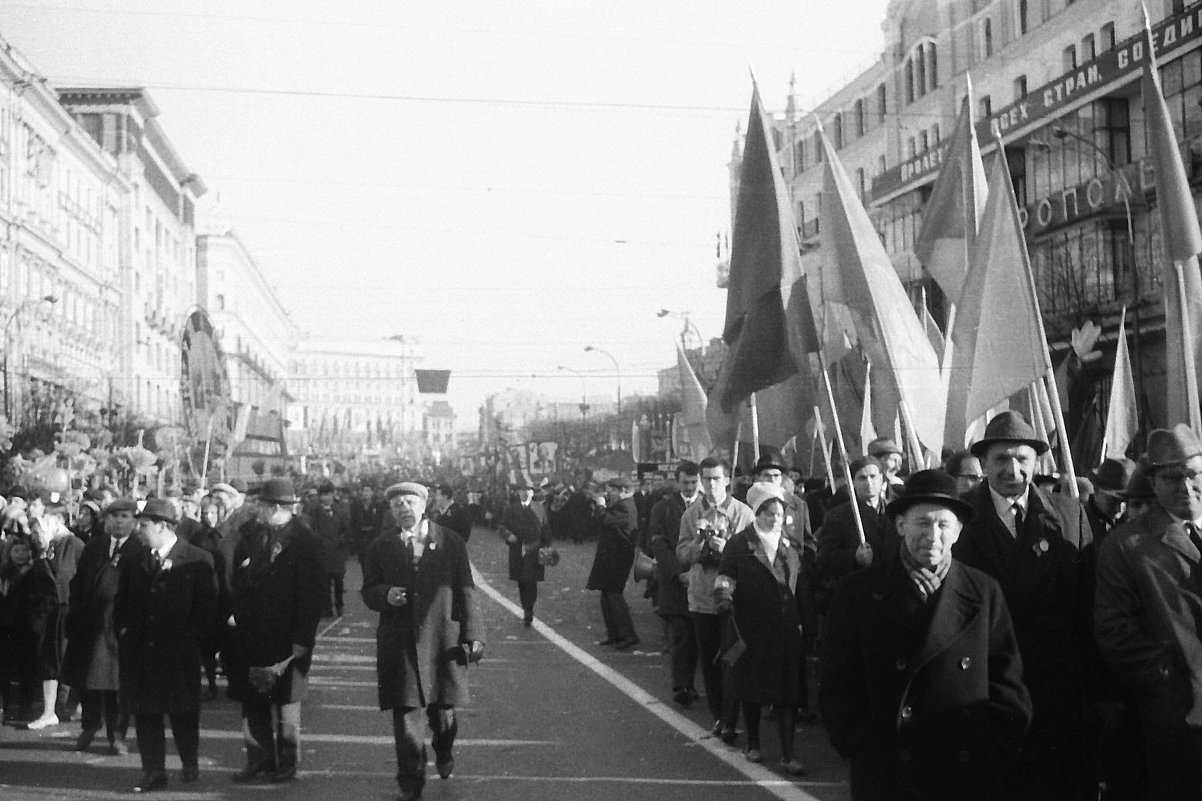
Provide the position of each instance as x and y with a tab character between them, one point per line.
618	520
1039	547
1104	506
278	583
921	685
417	576
163	612
1148	613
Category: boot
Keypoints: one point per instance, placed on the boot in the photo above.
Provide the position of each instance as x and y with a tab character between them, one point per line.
287	751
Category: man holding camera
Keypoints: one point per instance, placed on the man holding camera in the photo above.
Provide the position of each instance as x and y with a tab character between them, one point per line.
417	576
704	530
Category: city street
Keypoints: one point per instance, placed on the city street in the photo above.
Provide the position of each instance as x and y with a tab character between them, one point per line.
553	716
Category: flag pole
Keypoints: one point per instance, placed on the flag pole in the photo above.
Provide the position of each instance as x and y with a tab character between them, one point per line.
851	490
813	443
820	432
755	428
1191	373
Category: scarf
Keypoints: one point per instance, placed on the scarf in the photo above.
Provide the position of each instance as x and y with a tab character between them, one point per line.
769	541
926	581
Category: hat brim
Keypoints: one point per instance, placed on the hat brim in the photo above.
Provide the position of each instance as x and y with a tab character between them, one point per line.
281	501
963	509
159	518
979	447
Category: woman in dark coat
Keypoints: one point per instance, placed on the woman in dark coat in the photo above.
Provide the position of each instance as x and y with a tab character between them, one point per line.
758	578
24	600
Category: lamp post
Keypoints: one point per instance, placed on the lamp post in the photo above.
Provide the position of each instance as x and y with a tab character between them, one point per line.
583	400
28	304
617	369
688	325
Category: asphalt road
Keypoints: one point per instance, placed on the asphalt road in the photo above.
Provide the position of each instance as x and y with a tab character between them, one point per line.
552	716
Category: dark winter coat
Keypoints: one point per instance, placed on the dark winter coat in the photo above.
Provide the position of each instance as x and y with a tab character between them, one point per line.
838	540
91	659
663	529
164	622
617	526
925	699
457	518
417	643
277	592
767	613
529	524
332	527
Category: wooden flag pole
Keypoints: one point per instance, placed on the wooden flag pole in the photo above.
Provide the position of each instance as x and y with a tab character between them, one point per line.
826	450
851	490
1187	339
755	428
813	443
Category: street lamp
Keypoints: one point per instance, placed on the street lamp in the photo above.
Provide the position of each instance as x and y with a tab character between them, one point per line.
617	369
583	400
688	324
28	304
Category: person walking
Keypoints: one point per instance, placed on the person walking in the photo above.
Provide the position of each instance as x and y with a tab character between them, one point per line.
419	580
58	552
617	519
164	610
331	524
526	531
672	601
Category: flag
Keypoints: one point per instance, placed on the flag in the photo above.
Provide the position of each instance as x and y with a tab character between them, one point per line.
998	343
953	212
1182	243
241	423
867	432
692	408
1122	416
888	328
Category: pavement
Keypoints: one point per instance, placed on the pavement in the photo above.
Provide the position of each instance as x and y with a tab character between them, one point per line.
552	716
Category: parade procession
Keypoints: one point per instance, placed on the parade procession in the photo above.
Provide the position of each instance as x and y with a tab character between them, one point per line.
922	521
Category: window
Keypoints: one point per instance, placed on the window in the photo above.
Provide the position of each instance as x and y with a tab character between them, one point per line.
1069	59
986	38
882	107
837	126
799	155
911	148
909	81
1020	87
986	104
880	164
860	122
860	182
817	147
1023	17
924	143
935	134
1088	49
1107	36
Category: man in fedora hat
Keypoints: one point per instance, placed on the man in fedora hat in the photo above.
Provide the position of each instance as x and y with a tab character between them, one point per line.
1149	613
891	459
617	519
525	528
278	583
163	612
921	675
1104	507
1039	547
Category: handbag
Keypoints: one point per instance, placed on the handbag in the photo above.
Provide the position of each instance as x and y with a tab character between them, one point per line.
736	648
548	556
644	566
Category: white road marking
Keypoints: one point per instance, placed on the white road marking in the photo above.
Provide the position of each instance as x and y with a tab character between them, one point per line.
759	775
368	739
330	639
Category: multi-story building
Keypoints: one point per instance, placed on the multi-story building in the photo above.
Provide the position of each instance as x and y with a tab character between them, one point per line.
1060	81
706	362
438	427
155	241
351	394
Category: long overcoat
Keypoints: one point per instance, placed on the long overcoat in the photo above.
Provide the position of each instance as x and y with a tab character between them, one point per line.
617	527
91	659
416	643
926	700
533	531
663	529
332	527
767	612
164	621
277	588
838	540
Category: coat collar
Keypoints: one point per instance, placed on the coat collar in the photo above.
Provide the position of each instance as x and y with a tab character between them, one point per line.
786	550
1174	534
955	608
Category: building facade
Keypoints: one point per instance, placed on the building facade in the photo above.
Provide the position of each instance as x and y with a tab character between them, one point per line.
1060	81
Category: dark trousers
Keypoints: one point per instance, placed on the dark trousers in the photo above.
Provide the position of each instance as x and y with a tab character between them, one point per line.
708	629
271	733
528	592
152	740
334	586
682	645
409	732
103	705
1174	755
619	625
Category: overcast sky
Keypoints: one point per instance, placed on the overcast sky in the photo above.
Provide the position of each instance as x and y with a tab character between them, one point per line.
505	181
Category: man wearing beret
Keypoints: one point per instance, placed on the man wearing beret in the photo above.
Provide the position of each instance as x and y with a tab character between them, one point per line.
417	576
1148	614
1039	547
277	587
618	519
164	610
921	675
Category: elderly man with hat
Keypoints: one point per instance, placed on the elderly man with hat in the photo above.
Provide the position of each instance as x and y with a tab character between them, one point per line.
921	682
417	576
1148	614
91	660
164	609
1039	547
276	595
1104	506
618	520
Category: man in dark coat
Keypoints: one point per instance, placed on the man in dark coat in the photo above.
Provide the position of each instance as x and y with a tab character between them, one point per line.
366	514
672	596
331	524
420	581
618	526
1104	508
277	587
840	551
526	530
164	611
451	514
91	662
1039	547
921	683
1148	616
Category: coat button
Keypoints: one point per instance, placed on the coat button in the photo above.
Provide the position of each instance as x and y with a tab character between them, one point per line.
965	662
907	713
900	664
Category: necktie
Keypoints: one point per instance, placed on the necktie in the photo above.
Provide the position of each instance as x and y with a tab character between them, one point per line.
1018	520
1192	532
158	561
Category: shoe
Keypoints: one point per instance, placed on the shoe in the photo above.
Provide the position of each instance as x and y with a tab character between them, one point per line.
729	736
252	773
608	641
626	643
189	775
685	697
409	795
716	729
118	748
84	741
753	755
445	767
44	722
283	775
151	782
792	767
527	622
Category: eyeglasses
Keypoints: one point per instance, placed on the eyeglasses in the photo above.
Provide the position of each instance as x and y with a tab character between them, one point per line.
1174	476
